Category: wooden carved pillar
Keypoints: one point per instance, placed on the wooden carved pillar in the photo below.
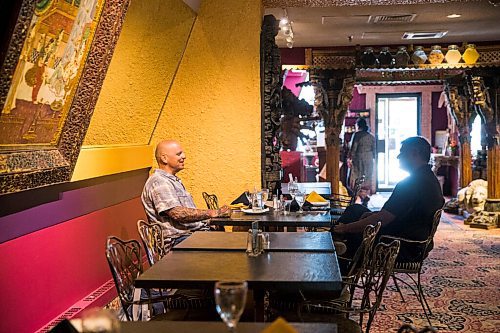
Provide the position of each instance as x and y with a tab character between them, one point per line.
460	110
486	98
270	73
487	108
333	94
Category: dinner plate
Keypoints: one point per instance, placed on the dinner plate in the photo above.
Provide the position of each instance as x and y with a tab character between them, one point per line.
319	203
251	211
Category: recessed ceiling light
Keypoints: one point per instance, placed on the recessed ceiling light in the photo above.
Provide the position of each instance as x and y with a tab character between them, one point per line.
452	16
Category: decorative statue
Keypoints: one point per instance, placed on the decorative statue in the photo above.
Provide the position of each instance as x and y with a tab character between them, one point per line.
473	197
293	107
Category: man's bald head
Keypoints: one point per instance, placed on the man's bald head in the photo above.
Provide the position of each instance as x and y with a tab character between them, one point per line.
170	156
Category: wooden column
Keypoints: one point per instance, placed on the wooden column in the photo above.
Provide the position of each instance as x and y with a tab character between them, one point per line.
271	80
487	107
459	106
333	90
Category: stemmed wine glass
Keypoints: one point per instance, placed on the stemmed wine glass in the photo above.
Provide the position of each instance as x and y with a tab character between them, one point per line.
230	299
293	188
300	198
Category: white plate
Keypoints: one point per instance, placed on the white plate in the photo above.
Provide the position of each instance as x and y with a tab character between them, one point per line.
319	203
251	211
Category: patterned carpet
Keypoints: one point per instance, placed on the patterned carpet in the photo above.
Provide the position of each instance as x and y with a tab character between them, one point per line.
462	284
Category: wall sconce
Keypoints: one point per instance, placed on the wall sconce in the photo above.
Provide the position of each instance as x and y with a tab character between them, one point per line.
286	29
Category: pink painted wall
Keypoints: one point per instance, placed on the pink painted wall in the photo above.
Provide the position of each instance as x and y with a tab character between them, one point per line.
293	78
358	101
45	272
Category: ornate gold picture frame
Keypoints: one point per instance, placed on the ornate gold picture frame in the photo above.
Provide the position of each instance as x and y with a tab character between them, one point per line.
50	80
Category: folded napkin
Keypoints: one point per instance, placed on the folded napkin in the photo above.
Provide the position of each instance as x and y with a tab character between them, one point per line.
280	325
241	199
238	206
315	197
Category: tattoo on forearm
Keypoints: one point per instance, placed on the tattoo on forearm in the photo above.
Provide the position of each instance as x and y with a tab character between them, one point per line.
186	215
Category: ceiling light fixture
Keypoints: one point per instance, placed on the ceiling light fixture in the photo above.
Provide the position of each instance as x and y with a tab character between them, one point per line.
286	28
452	16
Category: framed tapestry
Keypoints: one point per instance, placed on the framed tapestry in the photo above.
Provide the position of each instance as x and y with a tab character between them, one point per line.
54	66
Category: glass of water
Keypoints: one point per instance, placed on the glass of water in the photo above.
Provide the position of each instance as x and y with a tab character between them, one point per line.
300	198
230	299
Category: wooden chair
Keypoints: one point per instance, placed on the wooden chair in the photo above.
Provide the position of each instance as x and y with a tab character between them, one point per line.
369	284
125	262
211	200
153	240
415	267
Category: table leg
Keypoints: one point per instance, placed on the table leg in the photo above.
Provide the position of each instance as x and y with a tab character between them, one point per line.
258	295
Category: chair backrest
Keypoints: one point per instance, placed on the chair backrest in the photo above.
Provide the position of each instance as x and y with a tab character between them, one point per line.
357	187
124	259
211	200
363	253
435	222
155	243
374	280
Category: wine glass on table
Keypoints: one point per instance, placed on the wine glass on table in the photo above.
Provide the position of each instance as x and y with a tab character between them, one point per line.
230	299
300	198
293	188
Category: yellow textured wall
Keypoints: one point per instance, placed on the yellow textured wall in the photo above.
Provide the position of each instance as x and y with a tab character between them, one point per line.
146	57
214	105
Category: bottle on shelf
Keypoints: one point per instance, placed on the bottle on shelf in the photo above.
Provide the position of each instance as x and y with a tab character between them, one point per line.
436	56
385	58
419	57
402	58
470	55
453	55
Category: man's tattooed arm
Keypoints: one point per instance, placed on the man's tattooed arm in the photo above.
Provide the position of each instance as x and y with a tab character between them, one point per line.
186	215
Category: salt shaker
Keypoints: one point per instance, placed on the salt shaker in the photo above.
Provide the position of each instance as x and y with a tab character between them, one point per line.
275	202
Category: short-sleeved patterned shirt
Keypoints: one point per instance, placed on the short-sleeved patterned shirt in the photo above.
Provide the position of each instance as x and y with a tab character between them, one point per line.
163	192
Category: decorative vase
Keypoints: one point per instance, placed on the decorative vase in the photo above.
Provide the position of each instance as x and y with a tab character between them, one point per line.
453	55
436	56
368	58
419	57
470	55
385	58
402	58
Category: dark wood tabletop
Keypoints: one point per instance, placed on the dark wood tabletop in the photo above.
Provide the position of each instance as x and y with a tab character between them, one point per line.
279	241
269	271
216	327
277	219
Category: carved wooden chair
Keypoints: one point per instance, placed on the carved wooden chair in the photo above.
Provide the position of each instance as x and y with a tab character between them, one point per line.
125	262
155	244
415	267
211	200
366	291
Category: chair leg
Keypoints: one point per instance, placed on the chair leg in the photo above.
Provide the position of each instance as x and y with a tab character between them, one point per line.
423	301
397	288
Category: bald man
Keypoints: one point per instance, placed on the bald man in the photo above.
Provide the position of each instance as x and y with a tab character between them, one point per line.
166	200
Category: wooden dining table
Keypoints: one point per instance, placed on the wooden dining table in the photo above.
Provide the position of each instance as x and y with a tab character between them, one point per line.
216	327
278	241
307	219
283	271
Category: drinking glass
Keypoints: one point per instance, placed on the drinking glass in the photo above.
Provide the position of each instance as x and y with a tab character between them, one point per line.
230	299
293	188
300	198
265	197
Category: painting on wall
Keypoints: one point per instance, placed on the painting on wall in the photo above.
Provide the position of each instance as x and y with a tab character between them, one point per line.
50	79
47	72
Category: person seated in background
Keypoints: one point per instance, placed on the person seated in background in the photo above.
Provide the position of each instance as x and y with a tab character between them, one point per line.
409	211
166	200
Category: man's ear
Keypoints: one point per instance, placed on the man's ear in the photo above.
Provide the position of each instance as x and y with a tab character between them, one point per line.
164	159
